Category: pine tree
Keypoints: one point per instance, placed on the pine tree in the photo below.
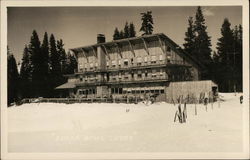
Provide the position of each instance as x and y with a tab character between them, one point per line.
62	59
132	32
13	78
202	43
116	34
54	57
25	74
35	50
55	66
237	34
147	23
71	63
126	31
225	47
121	34
189	45
45	66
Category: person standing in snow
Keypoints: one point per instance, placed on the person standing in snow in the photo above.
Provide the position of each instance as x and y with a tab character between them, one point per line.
241	99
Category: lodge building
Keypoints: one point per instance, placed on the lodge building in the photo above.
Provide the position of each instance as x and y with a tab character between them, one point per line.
131	66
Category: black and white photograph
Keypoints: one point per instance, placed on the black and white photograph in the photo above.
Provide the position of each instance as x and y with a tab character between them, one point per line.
97	80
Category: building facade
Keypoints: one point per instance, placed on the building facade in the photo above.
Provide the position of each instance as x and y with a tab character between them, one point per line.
132	66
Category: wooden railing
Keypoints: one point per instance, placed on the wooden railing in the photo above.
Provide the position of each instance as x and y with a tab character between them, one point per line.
136	66
132	80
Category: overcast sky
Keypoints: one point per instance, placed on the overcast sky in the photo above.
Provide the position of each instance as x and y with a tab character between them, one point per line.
79	26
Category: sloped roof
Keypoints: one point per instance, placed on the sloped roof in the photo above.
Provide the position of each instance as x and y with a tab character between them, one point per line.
68	85
176	47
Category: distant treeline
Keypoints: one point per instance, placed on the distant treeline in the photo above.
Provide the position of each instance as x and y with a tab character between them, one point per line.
42	68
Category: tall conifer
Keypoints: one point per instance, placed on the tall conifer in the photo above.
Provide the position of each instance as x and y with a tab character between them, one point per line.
13	78
147	23
189	45
132	32
126	30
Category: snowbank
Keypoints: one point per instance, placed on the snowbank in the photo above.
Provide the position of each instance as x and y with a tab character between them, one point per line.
103	127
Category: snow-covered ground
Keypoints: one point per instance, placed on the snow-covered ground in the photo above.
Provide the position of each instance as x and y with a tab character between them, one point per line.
51	127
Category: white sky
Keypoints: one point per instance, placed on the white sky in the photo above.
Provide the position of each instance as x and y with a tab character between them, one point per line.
79	26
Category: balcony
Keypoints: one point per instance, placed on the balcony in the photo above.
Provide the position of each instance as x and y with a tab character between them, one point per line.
136	66
136	81
122	81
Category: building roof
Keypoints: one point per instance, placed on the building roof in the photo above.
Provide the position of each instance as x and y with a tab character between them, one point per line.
68	85
175	46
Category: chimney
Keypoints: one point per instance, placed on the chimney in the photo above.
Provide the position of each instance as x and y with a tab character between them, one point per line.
100	38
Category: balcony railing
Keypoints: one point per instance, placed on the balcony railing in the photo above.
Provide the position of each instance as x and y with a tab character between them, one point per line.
123	81
130	66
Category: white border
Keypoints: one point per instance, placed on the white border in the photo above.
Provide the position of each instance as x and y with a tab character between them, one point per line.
3	57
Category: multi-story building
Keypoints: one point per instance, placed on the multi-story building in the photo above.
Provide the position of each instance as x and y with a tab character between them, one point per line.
130	66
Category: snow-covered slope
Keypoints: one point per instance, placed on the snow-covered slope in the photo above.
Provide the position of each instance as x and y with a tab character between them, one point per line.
102	127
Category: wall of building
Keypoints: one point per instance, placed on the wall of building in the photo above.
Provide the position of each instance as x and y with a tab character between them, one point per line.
192	89
115	59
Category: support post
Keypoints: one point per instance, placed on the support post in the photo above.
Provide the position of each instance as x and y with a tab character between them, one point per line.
145	45
94	51
106	51
131	47
161	45
118	49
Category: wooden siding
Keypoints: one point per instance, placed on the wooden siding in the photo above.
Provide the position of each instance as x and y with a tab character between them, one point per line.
188	88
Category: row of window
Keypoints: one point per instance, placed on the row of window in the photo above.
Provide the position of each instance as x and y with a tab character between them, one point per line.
87	91
138	61
122	91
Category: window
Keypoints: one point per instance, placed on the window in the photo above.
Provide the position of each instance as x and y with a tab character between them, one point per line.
114	63
161	73
153	59
116	90
146	74
161	57
168	49
120	90
120	75
132	75
80	92
81	78
162	91
80	65
112	90
132	60
139	60
125	62
139	75
91	65
153	75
